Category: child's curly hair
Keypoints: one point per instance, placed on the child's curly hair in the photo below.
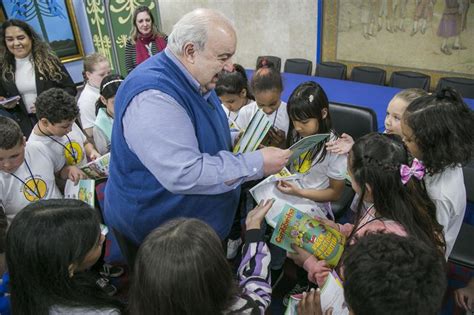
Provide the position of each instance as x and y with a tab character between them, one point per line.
442	126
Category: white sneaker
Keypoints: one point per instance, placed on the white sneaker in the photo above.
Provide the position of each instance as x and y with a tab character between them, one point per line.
233	247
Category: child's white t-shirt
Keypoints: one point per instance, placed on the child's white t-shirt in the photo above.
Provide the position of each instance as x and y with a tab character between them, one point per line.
65	148
333	166
14	196
86	104
230	115
279	118
448	193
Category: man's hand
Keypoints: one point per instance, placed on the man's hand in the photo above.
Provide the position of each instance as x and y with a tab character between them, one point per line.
274	159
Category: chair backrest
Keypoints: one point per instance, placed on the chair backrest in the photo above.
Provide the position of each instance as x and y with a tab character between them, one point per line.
273	59
353	120
462	253
299	66
464	86
332	70
468	172
371	75
410	79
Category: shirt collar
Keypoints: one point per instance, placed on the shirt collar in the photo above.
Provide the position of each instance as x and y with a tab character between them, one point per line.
194	83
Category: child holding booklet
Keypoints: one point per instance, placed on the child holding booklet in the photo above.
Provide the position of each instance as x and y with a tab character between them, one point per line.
102	130
267	86
232	88
56	112
322	172
437	129
392	186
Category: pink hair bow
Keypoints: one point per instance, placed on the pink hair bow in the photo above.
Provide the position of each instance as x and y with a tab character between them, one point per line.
417	169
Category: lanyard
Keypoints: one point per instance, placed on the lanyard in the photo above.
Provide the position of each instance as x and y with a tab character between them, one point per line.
235	118
72	153
366	213
35	192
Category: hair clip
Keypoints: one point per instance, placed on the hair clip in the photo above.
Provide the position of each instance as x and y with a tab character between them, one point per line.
110	82
417	169
311	98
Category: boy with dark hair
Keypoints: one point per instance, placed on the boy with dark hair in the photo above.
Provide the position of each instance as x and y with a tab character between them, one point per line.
27	171
389	274
56	112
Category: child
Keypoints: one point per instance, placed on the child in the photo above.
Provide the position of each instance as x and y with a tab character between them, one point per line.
267	87
322	173
27	170
96	67
56	111
194	277
438	130
388	274
50	245
398	204
232	88
395	111
102	130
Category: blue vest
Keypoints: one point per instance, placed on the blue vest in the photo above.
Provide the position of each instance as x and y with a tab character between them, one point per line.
135	201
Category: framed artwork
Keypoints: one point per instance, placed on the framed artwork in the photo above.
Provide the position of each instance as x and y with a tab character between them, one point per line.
428	36
54	20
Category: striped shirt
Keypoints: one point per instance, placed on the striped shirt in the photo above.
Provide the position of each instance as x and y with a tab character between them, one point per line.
254	276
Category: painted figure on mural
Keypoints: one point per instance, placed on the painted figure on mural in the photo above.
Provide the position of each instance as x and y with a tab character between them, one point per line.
368	14
399	13
423	15
452	23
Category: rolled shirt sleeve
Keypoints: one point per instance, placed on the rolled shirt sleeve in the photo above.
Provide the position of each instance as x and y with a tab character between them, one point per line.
159	131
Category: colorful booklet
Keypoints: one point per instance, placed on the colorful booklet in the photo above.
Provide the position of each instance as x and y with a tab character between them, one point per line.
297	227
99	168
267	189
332	295
254	134
306	144
84	190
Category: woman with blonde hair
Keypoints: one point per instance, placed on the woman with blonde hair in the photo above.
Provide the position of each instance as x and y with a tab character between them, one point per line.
28	67
145	39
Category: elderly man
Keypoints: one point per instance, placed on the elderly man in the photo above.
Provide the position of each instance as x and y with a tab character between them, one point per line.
171	141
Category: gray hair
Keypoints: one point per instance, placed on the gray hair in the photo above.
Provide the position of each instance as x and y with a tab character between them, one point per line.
193	28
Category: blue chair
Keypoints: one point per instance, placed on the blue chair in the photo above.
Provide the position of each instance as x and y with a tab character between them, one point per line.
298	66
463	253
353	120
273	59
331	70
464	86
371	75
410	79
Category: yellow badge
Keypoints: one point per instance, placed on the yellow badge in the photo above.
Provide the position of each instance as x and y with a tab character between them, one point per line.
73	153
34	189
